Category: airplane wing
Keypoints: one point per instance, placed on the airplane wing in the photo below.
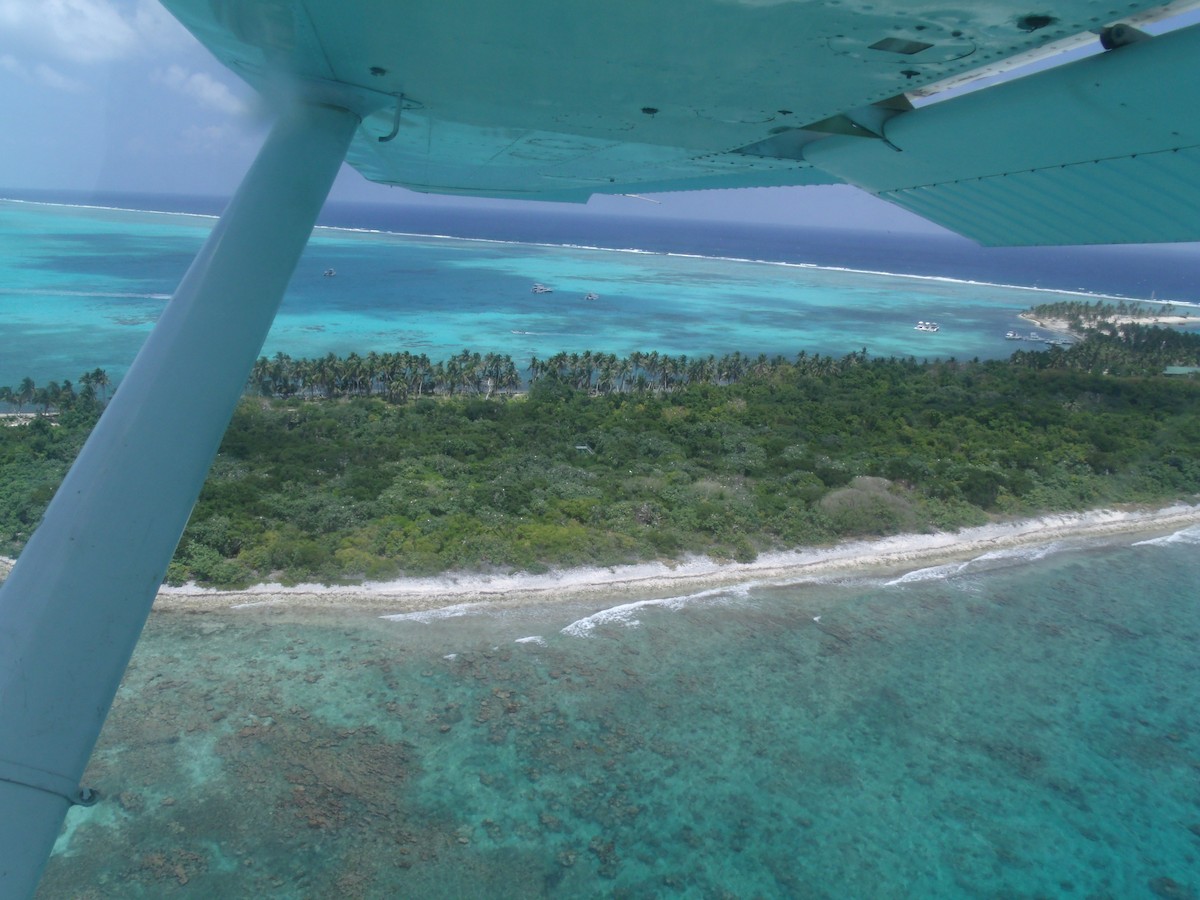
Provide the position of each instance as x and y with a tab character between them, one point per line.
561	100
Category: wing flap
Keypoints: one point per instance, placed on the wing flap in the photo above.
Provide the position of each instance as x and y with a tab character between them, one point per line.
1105	150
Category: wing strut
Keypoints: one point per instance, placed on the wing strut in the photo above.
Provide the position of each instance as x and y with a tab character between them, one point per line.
78	597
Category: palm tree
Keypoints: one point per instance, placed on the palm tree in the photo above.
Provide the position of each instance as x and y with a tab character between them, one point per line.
24	392
372	369
557	364
328	374
259	380
101	381
637	362
510	380
279	374
354	374
625	369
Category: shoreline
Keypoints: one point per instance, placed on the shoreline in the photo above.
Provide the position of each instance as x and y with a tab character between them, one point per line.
895	555
1062	326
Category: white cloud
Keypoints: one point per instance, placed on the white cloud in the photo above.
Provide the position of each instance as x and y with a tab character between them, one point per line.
40	74
55	79
57	43
202	88
79	31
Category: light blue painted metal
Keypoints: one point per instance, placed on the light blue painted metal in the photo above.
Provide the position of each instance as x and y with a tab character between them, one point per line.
561	99
75	602
1104	150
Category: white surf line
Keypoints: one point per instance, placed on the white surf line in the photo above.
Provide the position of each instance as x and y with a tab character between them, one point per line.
904	552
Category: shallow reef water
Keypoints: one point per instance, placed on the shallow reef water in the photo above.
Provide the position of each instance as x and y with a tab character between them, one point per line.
1024	728
82	288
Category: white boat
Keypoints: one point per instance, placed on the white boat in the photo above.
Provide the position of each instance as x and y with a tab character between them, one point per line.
591	295
329	273
926	326
540	288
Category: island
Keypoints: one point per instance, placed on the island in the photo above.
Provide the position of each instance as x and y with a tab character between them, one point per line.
1078	317
367	470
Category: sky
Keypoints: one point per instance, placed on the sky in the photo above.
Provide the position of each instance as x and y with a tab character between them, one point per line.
115	95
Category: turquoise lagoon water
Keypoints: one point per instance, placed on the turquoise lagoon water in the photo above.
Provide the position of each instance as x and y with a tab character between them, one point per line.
1021	726
80	288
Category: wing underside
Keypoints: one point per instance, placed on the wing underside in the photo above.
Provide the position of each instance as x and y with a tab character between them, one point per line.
553	100
1105	150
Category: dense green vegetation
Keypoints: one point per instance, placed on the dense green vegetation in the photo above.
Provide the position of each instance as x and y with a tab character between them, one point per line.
604	461
791	453
403	376
35	456
1084	314
1111	347
55	395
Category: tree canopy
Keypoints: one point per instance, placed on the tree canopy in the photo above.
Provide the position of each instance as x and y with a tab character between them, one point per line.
371	467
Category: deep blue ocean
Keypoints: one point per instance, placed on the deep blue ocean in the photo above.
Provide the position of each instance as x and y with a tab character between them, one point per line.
1020	725
1164	270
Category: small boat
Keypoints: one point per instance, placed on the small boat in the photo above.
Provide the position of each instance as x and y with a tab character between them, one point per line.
329	273
540	288
1013	336
926	326
591	295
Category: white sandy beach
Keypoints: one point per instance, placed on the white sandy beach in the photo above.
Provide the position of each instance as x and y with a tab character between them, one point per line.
894	555
1062	326
24	418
